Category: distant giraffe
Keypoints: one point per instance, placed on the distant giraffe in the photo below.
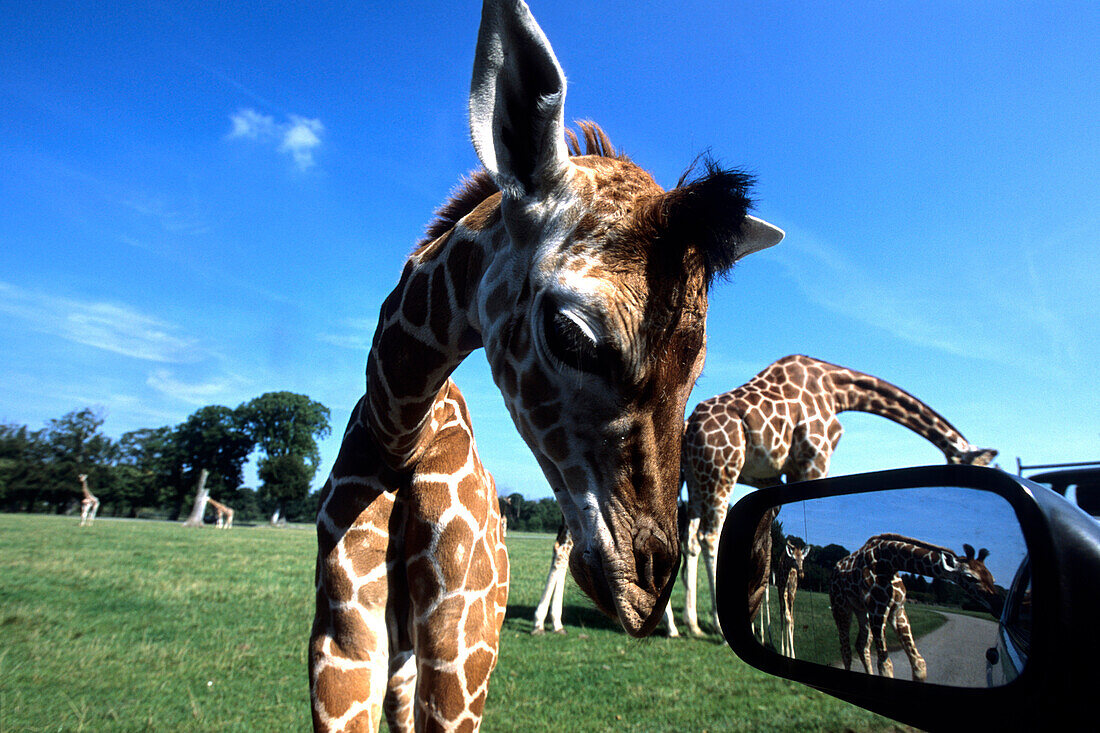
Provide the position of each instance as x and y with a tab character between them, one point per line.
89	504
786	587
224	518
783	423
866	584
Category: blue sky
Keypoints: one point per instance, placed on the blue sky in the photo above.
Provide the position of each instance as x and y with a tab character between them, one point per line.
205	202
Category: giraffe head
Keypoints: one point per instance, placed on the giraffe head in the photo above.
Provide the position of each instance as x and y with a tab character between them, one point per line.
798	556
592	311
975	457
83	477
971	574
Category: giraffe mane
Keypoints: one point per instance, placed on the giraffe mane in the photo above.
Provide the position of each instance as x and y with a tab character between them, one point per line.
477	186
913	541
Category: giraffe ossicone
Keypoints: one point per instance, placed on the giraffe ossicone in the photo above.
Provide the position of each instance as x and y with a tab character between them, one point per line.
412	573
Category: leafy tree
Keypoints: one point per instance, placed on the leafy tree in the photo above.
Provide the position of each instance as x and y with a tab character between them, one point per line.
285	480
211	446
77	446
819	566
24	466
149	467
286	427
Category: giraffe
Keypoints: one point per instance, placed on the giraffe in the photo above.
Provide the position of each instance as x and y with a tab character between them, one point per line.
224	514
554	593
866	584
786	587
783	423
89	504
586	284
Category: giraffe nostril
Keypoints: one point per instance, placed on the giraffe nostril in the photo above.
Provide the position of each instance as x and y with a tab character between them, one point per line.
653	559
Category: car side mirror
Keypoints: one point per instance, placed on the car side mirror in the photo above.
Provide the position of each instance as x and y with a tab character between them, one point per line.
933	595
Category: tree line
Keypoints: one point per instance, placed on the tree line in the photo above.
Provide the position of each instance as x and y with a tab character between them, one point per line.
530	515
156	472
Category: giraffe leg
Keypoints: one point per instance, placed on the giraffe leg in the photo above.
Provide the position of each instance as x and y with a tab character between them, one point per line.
670	621
559	599
787	639
843	619
900	621
878	635
358	577
553	595
400	700
692	550
457	637
863	642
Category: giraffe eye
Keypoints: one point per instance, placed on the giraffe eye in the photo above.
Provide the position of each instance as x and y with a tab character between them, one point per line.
570	342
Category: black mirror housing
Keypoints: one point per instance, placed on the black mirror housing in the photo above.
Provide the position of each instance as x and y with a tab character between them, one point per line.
1063	543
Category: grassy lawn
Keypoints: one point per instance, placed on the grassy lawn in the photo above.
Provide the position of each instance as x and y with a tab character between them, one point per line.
132	625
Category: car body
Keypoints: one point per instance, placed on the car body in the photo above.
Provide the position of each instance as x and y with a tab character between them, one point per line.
1053	687
1078	482
1006	660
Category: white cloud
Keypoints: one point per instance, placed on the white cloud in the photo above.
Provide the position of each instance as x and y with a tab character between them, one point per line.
250	124
300	139
193	393
922	313
357	334
111	327
298	136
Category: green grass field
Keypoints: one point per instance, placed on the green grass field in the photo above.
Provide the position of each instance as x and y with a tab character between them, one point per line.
134	625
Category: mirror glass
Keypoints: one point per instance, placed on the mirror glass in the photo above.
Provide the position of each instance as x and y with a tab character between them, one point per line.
929	584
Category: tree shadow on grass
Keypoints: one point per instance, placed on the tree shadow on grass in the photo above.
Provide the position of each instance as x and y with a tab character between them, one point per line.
584	617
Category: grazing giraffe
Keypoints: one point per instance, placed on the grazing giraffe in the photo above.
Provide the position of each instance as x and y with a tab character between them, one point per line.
783	423
224	519
586	284
786	587
866	584
89	504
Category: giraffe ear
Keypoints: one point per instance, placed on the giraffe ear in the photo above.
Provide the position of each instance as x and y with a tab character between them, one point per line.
805	551
517	99
757	234
709	213
790	550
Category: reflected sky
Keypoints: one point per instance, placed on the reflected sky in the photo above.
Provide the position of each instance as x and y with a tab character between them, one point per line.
946	516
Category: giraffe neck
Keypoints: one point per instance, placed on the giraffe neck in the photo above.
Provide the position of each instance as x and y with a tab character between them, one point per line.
858	392
906	555
84	489
425	329
786	578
